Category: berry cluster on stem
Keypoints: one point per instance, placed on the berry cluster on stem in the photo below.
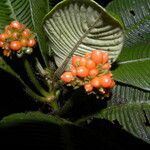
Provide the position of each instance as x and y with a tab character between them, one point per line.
17	39
92	71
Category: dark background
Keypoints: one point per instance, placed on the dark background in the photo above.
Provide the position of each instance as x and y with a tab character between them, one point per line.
13	99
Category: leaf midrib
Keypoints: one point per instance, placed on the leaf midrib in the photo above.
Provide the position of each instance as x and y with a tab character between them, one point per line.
61	69
133	61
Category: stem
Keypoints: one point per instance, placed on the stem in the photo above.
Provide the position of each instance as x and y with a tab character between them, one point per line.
45	73
30	92
35	96
54	105
33	79
54	97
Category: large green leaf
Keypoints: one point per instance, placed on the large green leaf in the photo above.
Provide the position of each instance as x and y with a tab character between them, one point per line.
77	27
134	118
38	10
35	129
130	105
30	13
135	15
131	108
134	65
134	61
18	118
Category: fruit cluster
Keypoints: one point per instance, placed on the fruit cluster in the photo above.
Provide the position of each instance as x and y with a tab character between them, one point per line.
17	39
91	71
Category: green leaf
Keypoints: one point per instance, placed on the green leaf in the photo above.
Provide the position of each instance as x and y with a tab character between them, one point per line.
30	13
33	129
77	27
12	10
123	94
135	15
130	101
29	117
134	118
38	10
134	65
130	107
47	131
134	61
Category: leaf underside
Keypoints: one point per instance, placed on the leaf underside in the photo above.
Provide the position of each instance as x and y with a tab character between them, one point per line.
77	27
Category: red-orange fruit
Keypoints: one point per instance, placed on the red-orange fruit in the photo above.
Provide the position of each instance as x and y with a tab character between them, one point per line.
97	56
67	77
76	60
93	72
88	87
95	82
31	42
90	64
106	81
15	45
82	71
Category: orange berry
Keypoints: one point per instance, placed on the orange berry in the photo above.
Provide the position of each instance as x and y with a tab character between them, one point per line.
31	42
109	74
95	82
67	77
3	37
83	61
112	84
1	44
82	71
93	72
15	45
76	60
88	87
105	57
15	25
73	70
24	42
105	81
97	56
90	64
26	33
106	66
